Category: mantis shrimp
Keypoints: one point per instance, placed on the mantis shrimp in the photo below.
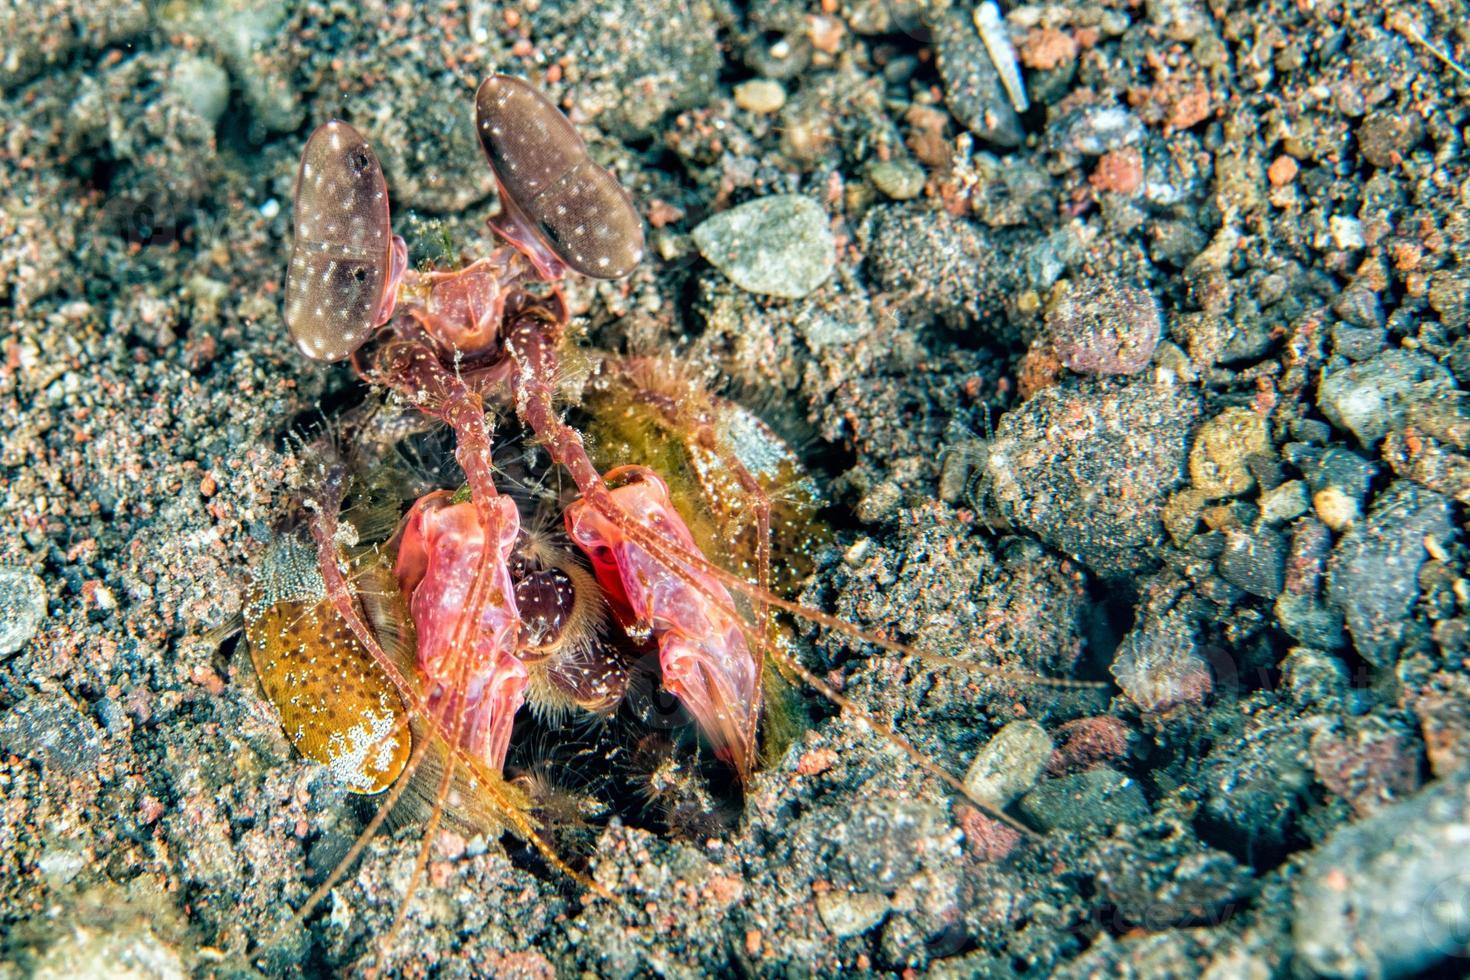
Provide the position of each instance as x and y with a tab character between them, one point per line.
386	673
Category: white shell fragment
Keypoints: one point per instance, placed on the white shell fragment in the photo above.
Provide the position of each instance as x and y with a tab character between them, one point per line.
993	32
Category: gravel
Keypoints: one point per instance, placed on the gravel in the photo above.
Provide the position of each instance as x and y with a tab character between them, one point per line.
774	246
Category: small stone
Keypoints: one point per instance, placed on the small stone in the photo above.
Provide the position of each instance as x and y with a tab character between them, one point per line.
1306	620
774	246
203	86
1098	797
1347	233
22	607
1158	665
879	502
1095	490
972	87
1094	130
1286	503
1255	562
760	95
1282	171
1217	461
900	179
1386	896
1312	678
1102	325
1335	508
1370	399
1385	138
851	913
1357	343
1009	764
1255	783
1374	573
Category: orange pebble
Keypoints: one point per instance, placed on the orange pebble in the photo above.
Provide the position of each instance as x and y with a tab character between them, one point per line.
1282	171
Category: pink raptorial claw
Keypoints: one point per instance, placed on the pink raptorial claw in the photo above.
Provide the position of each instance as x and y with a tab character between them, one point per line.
702	650
440	555
397	266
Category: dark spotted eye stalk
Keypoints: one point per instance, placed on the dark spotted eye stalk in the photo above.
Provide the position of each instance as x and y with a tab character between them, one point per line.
558	206
345	262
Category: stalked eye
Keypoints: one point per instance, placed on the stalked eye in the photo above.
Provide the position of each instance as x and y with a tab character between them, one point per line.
576	209
342	251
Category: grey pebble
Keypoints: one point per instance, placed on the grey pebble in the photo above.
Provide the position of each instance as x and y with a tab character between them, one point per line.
22	607
972	86
1370	399
1095	491
1374	573
775	246
1255	561
1098	797
1009	764
1387	896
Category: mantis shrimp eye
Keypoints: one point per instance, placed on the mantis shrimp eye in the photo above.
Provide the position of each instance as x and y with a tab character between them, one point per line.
343	263
576	209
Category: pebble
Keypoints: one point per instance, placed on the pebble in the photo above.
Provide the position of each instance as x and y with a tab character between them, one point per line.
760	95
1254	786
1255	562
1385	138
1285	503
1313	678
973	89
1387	896
1373	574
1370	399
1158	665
774	246
851	913
1102	325
22	607
1307	620
1217	461
900	179
1357	343
1094	489
203	86
1098	797
1092	131
1009	764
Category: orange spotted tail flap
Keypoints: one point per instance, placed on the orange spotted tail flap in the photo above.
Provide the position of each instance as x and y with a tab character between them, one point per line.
703	654
464	613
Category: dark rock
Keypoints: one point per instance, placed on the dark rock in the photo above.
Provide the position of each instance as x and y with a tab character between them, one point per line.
1357	343
1254	784
1307	620
1314	679
1255	561
972	86
1374	574
1386	897
1160	875
944	268
1086	466
50	730
1098	797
